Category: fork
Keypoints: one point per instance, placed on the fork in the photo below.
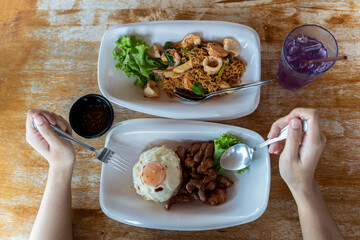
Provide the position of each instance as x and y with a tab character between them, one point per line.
104	154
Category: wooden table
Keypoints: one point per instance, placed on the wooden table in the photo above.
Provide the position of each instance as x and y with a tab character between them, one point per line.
48	58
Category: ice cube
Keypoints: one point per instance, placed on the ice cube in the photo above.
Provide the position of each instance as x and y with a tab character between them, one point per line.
302	39
323	52
292	58
311	48
293	49
303	65
318	68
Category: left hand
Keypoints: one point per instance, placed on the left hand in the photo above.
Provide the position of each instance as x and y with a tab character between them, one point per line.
58	152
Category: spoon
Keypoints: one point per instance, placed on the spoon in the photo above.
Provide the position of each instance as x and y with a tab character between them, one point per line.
240	156
191	96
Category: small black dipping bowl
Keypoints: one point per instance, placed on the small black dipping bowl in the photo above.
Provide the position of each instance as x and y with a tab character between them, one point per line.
91	116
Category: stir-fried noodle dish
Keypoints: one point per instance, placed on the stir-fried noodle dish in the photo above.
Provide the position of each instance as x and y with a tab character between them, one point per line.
193	64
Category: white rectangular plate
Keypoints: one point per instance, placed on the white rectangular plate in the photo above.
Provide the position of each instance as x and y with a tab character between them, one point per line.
246	200
119	89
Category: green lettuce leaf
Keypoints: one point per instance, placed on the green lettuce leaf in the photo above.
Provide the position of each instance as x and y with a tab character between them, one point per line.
133	59
221	145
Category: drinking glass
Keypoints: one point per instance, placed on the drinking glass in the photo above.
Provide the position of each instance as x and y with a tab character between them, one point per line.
306	42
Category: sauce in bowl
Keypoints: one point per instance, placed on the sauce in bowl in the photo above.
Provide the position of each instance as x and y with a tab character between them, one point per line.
95	118
91	116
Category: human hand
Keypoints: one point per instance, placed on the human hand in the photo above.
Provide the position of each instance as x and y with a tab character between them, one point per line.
302	151
58	152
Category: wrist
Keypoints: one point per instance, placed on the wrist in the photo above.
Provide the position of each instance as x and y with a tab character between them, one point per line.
61	172
305	192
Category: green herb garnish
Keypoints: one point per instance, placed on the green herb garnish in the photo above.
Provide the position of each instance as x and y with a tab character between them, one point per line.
187	51
154	77
198	89
221	70
241	170
169	58
161	64
221	145
168	45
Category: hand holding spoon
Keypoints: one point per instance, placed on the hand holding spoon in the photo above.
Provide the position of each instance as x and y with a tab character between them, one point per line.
240	156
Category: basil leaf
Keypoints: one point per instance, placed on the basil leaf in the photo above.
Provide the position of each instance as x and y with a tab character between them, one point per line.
168	45
187	51
198	89
169	58
162	65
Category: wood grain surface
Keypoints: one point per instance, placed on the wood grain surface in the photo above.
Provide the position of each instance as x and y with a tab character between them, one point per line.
48	59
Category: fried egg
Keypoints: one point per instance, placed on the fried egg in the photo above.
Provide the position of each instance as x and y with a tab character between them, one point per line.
157	174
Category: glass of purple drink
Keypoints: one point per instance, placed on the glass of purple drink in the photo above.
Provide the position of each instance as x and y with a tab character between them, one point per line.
307	42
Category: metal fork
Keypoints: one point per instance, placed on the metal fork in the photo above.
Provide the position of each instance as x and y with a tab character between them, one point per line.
104	154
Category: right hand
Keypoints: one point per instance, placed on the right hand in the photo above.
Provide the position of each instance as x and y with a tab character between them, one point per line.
302	151
57	151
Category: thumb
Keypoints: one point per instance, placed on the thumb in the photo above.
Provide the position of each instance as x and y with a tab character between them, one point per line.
293	139
45	130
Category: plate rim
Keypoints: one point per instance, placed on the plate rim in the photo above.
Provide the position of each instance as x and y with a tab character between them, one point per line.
142	225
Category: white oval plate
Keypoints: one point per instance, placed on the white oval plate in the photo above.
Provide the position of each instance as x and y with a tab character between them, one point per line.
119	89
246	200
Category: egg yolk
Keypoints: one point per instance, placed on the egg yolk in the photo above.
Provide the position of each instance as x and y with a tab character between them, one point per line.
153	174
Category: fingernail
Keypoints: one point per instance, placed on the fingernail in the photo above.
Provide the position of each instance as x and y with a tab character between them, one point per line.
295	123
38	120
271	149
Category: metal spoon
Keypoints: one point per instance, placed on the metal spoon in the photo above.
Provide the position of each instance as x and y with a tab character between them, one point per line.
191	96
240	156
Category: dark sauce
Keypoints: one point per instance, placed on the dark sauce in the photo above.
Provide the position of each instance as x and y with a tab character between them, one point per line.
95	118
158	189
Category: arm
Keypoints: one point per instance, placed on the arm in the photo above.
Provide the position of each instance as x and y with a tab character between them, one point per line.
53	220
315	218
297	166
